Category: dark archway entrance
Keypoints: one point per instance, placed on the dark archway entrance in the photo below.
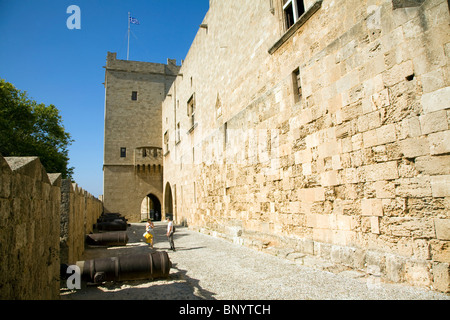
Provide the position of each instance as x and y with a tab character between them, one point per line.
168	203
151	208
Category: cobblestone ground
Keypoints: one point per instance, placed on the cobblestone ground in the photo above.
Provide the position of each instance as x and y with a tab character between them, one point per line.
209	268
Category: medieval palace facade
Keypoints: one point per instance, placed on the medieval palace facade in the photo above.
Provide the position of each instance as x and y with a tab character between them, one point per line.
316	127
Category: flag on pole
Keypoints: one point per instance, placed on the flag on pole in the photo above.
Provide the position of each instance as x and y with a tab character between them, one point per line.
134	20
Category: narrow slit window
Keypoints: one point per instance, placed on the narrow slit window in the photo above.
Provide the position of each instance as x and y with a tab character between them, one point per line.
178	133
297	85
225	135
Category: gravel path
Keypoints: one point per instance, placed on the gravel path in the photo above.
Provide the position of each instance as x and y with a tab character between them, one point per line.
209	268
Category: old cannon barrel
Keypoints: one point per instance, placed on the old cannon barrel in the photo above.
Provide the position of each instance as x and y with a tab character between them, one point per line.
128	267
111	214
107	239
112	218
115	225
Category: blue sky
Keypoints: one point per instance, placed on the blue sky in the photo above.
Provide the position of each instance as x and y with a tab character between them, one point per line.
64	67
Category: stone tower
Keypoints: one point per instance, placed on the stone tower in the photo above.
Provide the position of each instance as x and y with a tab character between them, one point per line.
132	168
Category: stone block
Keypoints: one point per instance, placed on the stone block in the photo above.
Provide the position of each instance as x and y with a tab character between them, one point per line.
442	227
370	138
381	171
310	220
322	235
372	207
440	186
436	100
398	73
306	246
439	142
384	189
344	222
386	134
369	121
311	194
410	227
441	277
329	178
414	147
395	268
417	273
434	122
416	187
433	81
380	99
409	128
433	165
375	225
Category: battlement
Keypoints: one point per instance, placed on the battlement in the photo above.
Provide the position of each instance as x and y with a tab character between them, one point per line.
114	64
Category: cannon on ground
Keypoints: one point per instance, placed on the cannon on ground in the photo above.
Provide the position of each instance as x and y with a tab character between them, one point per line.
128	267
115	225
107	239
108	217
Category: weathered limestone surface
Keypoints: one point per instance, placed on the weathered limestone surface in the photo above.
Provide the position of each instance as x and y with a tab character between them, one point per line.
354	170
29	230
43	223
79	212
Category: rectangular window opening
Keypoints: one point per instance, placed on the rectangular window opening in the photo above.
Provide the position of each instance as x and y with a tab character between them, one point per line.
134	95
166	141
293	10
123	152
191	110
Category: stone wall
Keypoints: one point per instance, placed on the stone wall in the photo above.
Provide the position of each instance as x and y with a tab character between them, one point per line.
29	230
354	169
79	212
43	223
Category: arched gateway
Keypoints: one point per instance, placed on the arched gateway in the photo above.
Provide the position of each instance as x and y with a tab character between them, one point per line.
151	208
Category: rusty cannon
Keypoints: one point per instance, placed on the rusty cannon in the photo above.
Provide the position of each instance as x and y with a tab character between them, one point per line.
114	225
128	267
111	217
107	239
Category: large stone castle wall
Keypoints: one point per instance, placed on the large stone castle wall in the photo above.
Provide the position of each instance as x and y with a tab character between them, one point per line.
355	170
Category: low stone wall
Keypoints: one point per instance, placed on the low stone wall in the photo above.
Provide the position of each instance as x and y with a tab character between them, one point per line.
29	229
32	204
79	212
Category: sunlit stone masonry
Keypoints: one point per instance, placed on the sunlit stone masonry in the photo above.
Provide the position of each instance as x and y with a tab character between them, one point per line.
320	128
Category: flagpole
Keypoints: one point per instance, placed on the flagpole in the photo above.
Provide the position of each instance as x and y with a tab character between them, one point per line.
128	46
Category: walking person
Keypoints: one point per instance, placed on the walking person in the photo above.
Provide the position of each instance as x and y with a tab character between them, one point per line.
170	231
149	232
